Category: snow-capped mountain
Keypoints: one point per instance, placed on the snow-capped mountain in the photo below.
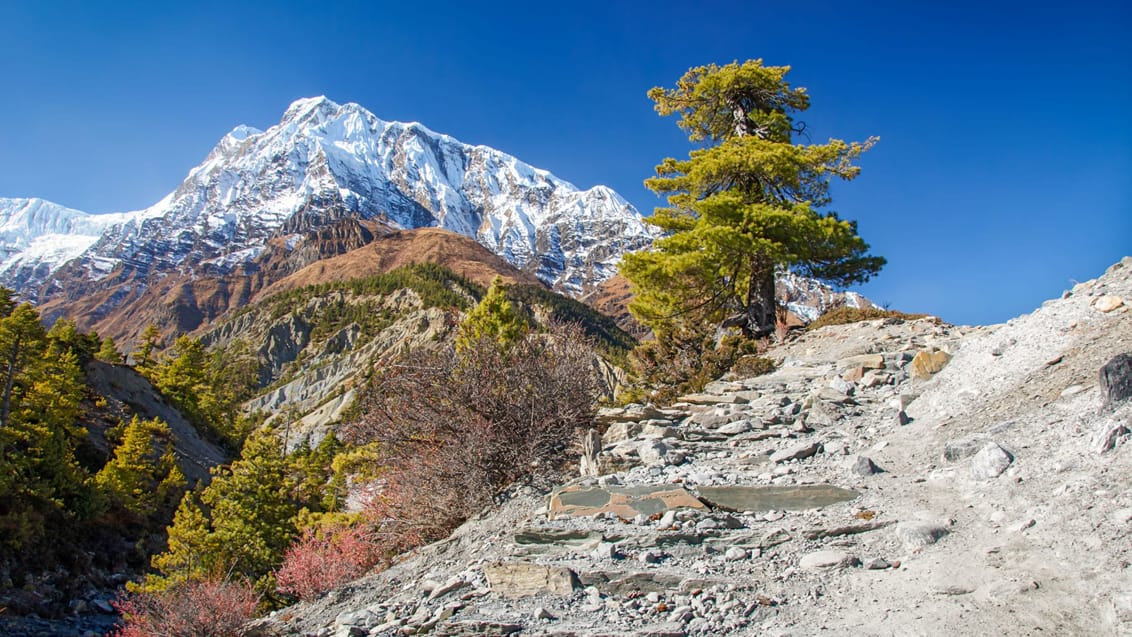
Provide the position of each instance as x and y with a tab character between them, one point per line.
325	162
37	237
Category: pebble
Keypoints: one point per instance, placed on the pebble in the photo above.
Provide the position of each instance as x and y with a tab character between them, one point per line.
827	559
990	461
734	554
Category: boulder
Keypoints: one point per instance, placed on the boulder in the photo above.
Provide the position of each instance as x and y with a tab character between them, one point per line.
990	461
821	560
1108	303
1116	379
916	535
928	363
522	579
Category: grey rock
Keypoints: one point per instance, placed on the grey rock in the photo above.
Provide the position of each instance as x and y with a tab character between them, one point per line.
591	447
734	428
652	452
620	432
735	553
864	466
902	418
916	535
820	560
877	564
797	452
1116	379
961	448
990	461
542	613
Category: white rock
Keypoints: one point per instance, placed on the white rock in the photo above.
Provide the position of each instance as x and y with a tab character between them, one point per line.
821	560
990	462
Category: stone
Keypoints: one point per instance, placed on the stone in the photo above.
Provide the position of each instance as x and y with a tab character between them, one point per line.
1108	435
954	450
657	431
605	551
902	418
874	378
652	452
797	452
735	428
450	586
990	461
864	466
522	579
562	539
928	363
774	498
864	361
591	448
620	432
841	386
821	560
919	534
734	554
626	502
1116	380
665	629
877	564
542	613
480	627
1108	303
650	557
713	399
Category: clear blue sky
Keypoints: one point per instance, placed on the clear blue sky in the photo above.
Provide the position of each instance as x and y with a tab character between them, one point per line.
1002	175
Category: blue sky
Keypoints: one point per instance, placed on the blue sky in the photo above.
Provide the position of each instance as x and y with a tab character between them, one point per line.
1003	174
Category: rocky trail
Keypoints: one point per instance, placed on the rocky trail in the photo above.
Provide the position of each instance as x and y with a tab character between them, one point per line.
889	478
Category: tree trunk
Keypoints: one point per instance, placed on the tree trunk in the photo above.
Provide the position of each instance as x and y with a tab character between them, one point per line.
761	303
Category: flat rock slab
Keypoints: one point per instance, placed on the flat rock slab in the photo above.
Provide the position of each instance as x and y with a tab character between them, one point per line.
775	498
713	399
521	579
565	538
626	502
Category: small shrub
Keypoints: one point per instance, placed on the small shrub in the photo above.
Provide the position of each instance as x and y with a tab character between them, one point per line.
200	609
685	361
323	559
846	314
751	366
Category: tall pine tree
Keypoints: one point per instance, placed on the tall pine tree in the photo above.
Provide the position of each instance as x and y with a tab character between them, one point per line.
742	206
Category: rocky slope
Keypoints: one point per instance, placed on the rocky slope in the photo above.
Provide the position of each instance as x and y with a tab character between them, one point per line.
890	478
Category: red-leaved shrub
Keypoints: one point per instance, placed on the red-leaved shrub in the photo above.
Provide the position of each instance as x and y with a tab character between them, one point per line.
199	609
323	559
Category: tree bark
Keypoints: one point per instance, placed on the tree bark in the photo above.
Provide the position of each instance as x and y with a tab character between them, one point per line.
762	307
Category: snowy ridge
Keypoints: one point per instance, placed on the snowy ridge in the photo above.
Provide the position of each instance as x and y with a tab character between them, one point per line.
324	162
37	237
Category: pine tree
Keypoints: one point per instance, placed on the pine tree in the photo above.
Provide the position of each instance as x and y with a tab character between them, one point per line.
240	524
143	476
743	206
108	352
150	341
494	317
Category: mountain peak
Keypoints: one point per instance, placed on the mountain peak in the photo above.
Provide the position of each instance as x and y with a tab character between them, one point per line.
304	106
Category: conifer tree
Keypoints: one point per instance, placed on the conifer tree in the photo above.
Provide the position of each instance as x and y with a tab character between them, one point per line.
150	340
742	206
143	475
494	317
108	352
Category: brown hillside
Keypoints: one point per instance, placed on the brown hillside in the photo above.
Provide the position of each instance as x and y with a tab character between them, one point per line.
404	247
